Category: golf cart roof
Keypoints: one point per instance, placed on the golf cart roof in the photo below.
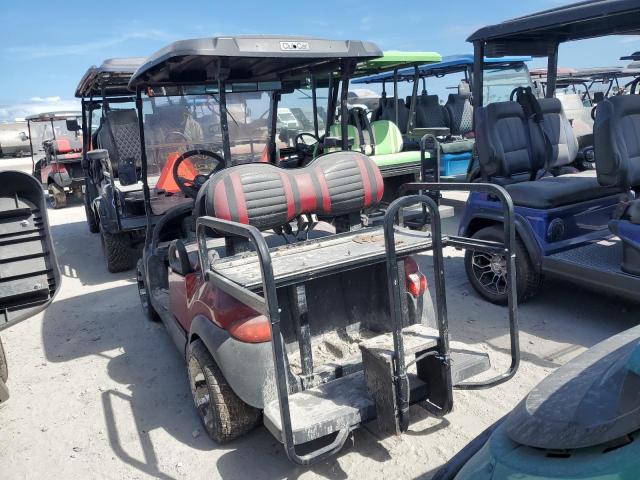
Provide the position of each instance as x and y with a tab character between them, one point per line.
634	57
393	59
537	33
114	75
449	64
256	58
542	72
49	116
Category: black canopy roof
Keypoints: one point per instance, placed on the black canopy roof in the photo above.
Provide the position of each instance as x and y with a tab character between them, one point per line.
537	33
257	58
114	74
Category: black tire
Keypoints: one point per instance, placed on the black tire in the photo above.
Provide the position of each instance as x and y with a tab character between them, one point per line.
117	252
225	417
4	371
477	264
92	221
57	196
143	293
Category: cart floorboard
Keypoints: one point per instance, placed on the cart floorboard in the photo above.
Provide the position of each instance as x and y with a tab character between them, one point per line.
596	265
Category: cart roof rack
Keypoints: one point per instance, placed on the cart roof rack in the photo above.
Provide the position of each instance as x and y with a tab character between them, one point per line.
255	58
111	78
538	33
449	64
49	116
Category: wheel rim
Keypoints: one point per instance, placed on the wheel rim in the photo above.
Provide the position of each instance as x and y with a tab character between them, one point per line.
490	272
200	392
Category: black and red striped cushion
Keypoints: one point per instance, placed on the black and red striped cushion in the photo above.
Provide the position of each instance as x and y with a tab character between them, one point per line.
267	196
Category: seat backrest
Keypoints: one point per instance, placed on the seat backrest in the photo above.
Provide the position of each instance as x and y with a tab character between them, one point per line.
616	138
267	196
460	110
505	152
387	137
64	145
429	112
559	134
120	136
388	113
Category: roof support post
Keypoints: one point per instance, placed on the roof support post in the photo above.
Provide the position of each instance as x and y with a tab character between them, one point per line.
478	77
314	101
395	96
143	165
275	97
224	125
344	109
414	96
552	70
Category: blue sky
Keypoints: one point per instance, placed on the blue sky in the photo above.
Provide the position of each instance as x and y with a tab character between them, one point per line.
45	46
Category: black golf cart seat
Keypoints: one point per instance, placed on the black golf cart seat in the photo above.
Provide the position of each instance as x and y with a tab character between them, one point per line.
429	112
513	152
460	111
617	148
119	135
387	111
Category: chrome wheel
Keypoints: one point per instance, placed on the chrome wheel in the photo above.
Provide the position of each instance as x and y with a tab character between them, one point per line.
490	270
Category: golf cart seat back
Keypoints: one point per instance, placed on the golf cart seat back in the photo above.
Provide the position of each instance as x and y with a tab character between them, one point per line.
267	197
62	146
429	112
119	135
560	142
388	112
616	134
460	110
387	147
510	155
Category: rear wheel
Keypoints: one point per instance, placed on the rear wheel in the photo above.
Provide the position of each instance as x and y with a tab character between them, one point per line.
57	196
143	293
224	415
488	272
117	252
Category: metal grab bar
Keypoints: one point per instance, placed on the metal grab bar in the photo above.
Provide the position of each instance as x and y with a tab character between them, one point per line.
395	303
269	307
512	293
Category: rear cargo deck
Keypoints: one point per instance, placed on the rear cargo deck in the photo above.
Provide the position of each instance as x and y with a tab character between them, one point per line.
298	262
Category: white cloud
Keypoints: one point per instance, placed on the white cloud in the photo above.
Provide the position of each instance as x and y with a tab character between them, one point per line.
36	105
46	51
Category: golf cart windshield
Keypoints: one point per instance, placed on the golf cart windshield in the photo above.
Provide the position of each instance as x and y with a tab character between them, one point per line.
176	124
42	131
500	82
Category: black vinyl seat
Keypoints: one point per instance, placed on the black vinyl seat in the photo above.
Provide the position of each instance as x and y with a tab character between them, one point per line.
429	112
513	152
460	110
119	135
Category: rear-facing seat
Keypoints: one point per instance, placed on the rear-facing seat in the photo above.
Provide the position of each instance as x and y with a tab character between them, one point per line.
460	111
513	153
616	134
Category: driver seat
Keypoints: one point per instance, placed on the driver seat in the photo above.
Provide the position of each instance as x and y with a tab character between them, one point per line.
119	135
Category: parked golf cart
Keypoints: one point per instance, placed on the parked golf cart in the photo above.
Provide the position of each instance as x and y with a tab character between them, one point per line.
582	227
252	287
29	275
581	423
447	129
56	152
113	199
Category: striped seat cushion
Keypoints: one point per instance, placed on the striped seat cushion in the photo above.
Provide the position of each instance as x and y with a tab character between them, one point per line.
267	196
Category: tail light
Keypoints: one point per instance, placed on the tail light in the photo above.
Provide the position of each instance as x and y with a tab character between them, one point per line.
415	279
251	330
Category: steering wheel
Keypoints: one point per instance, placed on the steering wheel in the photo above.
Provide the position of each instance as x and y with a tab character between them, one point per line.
190	186
303	147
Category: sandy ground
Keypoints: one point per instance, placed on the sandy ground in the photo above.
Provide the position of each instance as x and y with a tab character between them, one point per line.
99	392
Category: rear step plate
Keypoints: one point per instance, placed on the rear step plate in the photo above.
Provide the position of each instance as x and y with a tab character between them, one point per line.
345	403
